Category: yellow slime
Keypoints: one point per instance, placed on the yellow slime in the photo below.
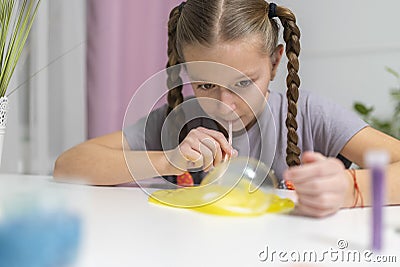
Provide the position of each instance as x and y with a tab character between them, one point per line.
222	200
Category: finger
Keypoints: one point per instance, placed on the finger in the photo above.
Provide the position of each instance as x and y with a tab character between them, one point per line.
311	156
212	153
317	185
217	157
214	146
207	155
205	145
321	202
195	137
194	158
234	154
318	169
303	210
220	138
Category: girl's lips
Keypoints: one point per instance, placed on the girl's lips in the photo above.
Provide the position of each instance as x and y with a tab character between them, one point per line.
237	123
226	121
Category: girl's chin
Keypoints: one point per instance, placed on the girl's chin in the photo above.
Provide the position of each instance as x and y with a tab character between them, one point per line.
238	125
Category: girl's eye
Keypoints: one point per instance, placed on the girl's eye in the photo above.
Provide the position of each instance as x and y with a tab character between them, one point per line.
206	86
244	83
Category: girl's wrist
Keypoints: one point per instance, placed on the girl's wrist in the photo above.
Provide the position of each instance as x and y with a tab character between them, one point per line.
354	195
351	196
168	168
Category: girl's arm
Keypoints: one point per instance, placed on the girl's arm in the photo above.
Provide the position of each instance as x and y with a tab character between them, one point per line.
324	186
101	161
371	139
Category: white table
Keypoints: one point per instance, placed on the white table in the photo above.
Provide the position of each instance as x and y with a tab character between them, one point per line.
122	229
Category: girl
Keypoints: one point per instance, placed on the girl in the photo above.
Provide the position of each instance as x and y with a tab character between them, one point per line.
312	133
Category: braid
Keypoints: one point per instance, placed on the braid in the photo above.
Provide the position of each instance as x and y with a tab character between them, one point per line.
291	35
175	96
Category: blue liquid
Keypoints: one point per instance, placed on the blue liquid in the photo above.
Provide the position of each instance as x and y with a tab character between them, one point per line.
39	239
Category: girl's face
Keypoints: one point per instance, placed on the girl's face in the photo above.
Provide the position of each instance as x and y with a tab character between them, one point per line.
237	83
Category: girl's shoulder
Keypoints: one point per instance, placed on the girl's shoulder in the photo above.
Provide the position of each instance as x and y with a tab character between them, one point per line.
305	97
308	101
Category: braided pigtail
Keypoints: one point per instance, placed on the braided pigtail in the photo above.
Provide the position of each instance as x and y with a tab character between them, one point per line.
291	35
175	96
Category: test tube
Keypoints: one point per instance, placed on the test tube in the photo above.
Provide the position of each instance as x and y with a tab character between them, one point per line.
376	161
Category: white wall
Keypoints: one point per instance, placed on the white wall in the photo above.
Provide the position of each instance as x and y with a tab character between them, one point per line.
346	45
67	75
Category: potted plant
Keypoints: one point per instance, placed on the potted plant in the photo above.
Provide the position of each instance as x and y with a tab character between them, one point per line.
16	19
390	126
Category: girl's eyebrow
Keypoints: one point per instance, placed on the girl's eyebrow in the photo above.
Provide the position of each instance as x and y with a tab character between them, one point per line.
195	79
249	75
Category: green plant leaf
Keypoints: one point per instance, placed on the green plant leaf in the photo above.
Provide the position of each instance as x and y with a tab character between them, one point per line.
382	125
16	19
392	126
362	109
393	72
395	94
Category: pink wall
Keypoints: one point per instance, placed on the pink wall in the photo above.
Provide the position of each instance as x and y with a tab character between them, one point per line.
126	45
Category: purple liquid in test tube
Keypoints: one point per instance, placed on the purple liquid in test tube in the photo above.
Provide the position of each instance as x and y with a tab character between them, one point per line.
377	161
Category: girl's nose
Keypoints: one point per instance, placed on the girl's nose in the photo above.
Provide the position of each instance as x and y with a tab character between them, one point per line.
228	99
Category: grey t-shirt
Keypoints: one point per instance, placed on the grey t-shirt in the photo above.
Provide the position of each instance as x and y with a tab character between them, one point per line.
323	126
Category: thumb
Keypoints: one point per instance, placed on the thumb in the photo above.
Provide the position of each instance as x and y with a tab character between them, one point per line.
311	156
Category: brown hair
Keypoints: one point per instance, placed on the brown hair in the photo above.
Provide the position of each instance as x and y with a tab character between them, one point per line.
207	22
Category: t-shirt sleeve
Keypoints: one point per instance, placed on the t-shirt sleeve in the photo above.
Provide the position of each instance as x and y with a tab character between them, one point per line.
332	125
145	134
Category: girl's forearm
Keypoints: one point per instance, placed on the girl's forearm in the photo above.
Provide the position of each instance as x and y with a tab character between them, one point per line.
148	164
95	164
392	186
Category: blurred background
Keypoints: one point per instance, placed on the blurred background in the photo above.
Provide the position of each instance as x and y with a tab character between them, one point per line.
85	59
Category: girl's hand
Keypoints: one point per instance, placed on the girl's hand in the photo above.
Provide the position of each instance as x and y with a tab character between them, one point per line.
322	184
201	149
